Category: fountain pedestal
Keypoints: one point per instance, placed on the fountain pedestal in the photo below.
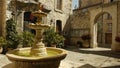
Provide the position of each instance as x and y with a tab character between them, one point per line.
38	49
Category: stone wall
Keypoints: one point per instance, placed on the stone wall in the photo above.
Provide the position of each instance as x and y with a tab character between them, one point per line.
20	24
85	3
53	16
81	19
79	25
56	14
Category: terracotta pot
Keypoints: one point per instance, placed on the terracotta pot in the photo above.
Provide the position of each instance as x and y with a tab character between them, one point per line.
53	45
86	44
116	47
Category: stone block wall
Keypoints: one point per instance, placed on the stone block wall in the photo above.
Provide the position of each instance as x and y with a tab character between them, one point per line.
81	20
79	25
85	3
56	14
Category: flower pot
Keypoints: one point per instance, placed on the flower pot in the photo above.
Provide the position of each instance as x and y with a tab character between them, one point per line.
86	44
116	47
53	45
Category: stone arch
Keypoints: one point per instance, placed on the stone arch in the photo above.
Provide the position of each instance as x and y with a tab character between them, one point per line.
103	25
99	14
98	11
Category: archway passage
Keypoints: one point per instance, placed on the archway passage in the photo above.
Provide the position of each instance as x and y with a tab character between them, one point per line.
103	24
58	26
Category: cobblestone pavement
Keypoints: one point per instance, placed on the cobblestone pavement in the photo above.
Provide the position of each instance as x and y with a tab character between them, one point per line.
82	58
93	58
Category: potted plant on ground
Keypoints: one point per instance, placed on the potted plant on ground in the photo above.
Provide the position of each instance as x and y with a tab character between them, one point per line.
51	38
2	42
11	36
86	40
27	39
117	45
117	39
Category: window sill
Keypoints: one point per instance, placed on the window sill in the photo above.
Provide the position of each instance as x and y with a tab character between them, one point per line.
57	10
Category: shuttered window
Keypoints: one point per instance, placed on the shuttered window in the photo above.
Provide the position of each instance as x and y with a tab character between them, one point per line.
59	4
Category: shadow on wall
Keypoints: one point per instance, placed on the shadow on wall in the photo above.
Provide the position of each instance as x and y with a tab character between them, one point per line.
66	31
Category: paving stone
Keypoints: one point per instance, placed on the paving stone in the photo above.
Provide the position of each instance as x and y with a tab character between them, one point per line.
81	58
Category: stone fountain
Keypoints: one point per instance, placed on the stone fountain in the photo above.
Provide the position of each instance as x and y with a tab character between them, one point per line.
37	56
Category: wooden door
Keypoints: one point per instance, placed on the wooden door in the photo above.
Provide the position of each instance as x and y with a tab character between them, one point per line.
108	38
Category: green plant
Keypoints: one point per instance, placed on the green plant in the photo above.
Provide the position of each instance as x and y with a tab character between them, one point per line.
11	34
51	37
86	37
27	39
2	41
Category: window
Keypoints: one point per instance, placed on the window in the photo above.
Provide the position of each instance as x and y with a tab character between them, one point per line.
59	4
111	0
109	16
109	27
59	26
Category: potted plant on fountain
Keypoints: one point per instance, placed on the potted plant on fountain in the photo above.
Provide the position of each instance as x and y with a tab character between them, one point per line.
52	38
86	40
2	42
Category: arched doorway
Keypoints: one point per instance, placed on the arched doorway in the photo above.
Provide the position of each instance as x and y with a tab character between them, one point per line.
29	18
103	30
58	26
26	20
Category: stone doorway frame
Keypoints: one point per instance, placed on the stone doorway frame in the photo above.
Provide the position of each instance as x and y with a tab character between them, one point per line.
103	19
94	13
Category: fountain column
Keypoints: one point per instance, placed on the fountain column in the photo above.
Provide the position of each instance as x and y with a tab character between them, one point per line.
38	49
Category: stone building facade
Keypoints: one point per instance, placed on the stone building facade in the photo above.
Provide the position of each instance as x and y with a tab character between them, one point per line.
100	19
60	12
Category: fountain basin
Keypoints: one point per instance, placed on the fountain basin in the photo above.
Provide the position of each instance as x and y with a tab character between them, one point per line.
50	61
38	26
